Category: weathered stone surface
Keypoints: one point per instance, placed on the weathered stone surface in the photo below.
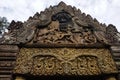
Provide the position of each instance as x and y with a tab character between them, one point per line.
115	48
5	78
113	35
63	41
60	24
8	55
64	61
9	48
116	56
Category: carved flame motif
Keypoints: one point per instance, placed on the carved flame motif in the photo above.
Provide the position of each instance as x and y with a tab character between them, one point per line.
65	29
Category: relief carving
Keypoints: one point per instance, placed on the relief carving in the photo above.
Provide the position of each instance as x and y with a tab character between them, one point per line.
65	29
59	25
112	34
43	65
88	64
62	24
18	33
64	61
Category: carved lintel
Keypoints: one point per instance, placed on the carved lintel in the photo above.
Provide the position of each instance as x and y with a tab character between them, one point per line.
51	61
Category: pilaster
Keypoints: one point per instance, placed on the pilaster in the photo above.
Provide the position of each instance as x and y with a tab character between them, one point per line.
7	60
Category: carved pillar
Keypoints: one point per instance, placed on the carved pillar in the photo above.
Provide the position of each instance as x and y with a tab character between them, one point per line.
116	55
19	78
7	59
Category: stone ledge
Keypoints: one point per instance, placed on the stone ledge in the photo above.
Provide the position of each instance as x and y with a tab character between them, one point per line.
116	54
9	48
115	48
7	54
5	76
5	71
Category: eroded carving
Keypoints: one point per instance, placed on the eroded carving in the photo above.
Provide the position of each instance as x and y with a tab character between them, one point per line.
64	61
65	25
112	34
60	24
44	65
65	29
18	33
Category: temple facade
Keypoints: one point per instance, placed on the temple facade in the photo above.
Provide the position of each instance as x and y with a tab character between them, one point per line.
60	43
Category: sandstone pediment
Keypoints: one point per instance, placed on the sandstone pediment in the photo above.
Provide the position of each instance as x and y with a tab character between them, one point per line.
61	40
61	25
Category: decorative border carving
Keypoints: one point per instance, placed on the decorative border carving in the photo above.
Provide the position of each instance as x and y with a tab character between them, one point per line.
64	61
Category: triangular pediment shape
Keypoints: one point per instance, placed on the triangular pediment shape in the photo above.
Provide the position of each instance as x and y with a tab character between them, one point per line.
60	25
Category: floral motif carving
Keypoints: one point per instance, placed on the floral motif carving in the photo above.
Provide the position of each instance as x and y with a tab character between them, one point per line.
43	65
64	61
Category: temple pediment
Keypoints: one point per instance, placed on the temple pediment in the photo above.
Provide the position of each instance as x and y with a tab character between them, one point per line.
60	25
61	40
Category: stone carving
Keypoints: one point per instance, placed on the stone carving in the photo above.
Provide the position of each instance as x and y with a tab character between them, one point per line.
112	34
44	65
64	61
47	65
65	29
54	35
60	24
57	37
18	33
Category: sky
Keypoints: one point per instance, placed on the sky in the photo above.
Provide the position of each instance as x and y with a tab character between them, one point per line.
105	11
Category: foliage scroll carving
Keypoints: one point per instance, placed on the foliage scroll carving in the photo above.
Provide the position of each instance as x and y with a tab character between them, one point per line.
64	61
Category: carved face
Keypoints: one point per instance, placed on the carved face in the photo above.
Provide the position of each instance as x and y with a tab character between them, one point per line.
64	19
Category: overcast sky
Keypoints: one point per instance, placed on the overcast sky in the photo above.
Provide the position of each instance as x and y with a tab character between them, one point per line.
106	11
